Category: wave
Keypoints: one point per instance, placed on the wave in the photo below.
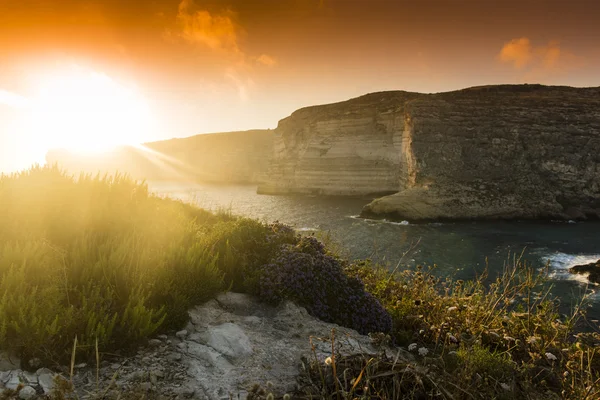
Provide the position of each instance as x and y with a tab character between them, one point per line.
379	221
561	262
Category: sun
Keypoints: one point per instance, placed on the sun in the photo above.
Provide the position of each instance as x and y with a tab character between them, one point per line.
85	111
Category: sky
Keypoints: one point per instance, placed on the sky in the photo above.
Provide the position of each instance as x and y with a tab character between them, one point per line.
183	67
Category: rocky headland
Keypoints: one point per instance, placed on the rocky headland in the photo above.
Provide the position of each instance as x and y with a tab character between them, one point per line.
230	157
493	152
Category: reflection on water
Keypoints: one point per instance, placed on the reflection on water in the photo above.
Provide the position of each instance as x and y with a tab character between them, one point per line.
458	249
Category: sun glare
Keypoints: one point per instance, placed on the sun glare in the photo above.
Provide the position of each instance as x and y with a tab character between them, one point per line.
85	111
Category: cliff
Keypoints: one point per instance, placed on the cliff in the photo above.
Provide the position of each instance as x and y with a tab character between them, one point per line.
348	148
231	157
510	151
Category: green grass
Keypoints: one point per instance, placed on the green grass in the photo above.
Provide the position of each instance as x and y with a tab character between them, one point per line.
97	257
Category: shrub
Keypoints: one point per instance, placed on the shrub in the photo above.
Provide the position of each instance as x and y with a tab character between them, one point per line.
305	274
242	246
98	258
509	333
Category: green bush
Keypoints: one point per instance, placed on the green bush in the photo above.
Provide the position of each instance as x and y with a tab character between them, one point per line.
98	258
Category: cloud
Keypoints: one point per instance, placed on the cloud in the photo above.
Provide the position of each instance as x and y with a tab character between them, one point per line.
267	60
11	99
218	31
536	61
517	51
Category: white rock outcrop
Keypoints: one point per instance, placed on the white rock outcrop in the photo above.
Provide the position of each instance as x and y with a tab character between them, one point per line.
231	343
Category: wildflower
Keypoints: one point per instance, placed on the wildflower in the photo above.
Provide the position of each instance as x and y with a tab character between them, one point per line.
328	361
532	340
550	356
412	347
504	386
423	351
453	308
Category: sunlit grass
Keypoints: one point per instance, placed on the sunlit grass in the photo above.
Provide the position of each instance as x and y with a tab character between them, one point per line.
98	258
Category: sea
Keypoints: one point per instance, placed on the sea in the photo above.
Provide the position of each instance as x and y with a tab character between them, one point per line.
461	250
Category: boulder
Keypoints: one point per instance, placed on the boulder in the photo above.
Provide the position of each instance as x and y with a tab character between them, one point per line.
592	270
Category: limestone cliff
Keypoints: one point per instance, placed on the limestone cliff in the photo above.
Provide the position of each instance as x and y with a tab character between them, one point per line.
510	151
232	157
349	148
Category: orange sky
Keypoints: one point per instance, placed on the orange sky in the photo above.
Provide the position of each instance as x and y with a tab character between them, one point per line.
218	65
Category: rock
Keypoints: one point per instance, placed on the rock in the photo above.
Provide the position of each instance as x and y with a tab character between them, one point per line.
27	393
226	351
182	334
12	380
45	379
30	377
592	270
228	339
163	337
9	362
507	151
186	391
154	342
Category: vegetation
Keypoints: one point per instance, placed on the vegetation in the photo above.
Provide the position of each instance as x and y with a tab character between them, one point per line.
469	340
100	259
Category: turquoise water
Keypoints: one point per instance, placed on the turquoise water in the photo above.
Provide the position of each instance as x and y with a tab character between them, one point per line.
458	249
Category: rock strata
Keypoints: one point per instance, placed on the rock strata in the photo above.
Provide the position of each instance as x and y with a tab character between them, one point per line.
230	344
509	151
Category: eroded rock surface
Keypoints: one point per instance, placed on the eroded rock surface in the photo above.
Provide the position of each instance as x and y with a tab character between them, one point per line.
230	344
510	151
592	270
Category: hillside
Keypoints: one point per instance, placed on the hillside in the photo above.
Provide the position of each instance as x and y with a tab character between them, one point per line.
231	157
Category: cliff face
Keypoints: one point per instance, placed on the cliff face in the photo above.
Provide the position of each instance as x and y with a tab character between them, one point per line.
232	157
349	148
515	151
